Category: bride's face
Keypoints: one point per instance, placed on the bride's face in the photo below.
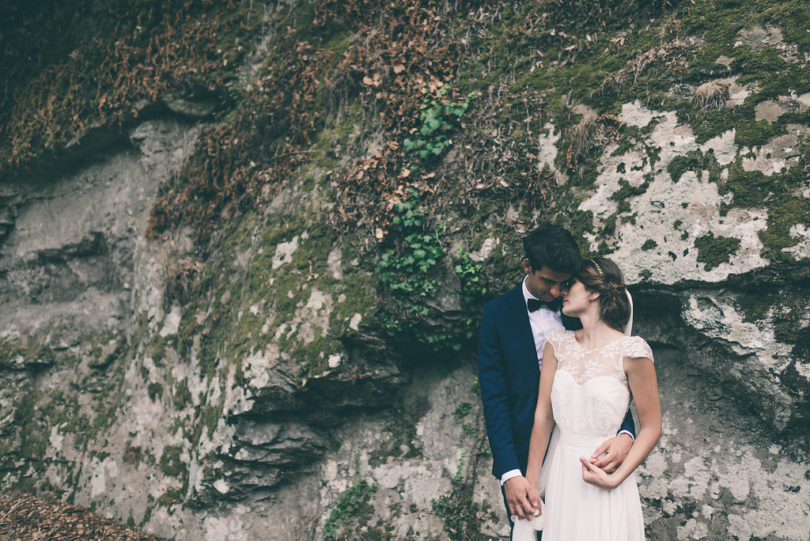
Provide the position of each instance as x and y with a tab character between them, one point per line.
577	299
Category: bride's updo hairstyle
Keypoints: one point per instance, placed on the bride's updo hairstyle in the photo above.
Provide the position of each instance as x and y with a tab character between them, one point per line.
601	275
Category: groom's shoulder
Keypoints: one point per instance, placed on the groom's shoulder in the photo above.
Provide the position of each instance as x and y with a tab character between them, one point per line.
571	323
499	302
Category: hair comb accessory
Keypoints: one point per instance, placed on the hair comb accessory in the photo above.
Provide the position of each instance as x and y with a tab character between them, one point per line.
598	268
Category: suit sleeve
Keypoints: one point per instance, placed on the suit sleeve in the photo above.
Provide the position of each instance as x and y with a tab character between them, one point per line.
628	424
493	382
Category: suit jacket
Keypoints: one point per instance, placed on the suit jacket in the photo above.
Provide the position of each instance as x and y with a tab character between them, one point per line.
508	376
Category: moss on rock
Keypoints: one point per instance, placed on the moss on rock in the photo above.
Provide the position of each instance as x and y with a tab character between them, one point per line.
713	251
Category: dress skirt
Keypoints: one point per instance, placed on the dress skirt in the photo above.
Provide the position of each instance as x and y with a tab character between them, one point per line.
579	511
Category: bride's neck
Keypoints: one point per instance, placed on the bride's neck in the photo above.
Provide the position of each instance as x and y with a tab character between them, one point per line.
595	332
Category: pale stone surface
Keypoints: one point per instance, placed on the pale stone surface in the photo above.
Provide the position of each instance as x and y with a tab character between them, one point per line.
694	202
723	147
802	247
334	263
93	219
547	152
758	37
635	114
284	251
727	470
487	247
172	322
778	154
717	318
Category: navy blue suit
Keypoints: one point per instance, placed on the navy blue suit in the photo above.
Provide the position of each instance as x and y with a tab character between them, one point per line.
509	375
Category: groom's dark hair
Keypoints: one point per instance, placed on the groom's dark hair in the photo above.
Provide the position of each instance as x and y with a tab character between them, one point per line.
552	246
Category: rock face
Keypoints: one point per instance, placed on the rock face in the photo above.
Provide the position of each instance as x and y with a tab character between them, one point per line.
260	383
664	232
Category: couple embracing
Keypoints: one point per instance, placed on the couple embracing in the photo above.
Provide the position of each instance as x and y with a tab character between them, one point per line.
570	437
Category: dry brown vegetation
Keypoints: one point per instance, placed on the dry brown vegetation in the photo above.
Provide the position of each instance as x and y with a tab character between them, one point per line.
388	59
28	518
644	65
710	95
107	78
590	134
396	54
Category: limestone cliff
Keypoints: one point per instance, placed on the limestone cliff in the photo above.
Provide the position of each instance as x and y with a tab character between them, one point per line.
244	249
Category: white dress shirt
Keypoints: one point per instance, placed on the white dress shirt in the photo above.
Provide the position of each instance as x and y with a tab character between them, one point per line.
543	321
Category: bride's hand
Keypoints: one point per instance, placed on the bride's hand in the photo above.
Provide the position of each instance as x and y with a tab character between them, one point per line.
595	475
612	452
517	491
534	497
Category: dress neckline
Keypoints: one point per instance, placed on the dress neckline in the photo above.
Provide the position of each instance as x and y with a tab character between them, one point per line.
583	348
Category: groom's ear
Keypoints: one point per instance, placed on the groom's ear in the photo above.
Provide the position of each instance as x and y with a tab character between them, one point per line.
527	267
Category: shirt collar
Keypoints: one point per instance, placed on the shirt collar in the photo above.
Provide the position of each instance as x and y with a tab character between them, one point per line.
527	295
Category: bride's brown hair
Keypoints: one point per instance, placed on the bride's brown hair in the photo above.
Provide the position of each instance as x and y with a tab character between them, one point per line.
601	275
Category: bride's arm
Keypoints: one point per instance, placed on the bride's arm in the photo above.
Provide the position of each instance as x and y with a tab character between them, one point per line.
641	377
543	419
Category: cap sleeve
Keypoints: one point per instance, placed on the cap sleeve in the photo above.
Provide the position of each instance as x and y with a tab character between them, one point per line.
638	347
555	338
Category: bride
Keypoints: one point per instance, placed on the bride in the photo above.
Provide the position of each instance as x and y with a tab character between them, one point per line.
585	387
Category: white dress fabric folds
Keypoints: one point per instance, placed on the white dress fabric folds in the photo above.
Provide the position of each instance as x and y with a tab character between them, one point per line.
589	399
525	529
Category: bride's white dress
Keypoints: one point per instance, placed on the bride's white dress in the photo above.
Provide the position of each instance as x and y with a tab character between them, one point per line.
589	399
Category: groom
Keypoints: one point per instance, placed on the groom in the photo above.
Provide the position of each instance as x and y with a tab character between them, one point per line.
510	349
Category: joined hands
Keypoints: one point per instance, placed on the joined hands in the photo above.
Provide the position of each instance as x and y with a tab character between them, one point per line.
612	452
522	497
605	459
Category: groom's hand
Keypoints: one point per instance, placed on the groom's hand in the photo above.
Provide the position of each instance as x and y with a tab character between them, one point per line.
612	452
518	492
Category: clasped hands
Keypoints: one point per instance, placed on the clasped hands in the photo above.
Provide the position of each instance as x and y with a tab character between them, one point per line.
523	498
603	462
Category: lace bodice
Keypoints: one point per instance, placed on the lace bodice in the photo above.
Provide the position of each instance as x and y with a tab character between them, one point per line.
590	394
584	364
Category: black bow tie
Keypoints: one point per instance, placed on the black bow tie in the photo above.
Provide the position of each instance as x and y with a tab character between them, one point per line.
536	304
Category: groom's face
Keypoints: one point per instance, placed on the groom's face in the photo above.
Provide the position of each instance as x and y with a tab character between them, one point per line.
545	283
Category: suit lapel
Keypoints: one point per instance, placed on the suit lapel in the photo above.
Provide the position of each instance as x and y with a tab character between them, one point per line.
518	318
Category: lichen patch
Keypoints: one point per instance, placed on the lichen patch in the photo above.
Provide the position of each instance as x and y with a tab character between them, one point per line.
801	249
723	147
172	321
779	154
758	37
547	151
635	114
333	261
487	247
658	218
284	251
